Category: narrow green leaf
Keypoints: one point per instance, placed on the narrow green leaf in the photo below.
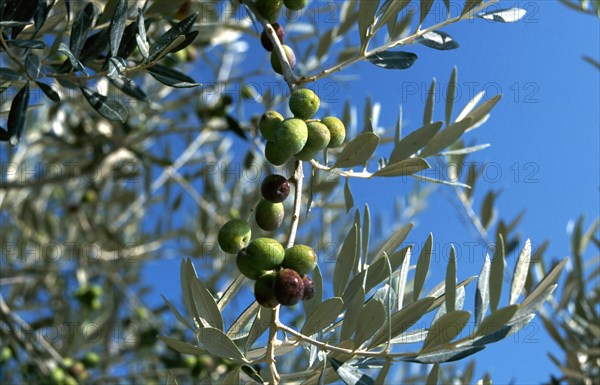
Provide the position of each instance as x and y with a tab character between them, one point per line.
349	201
231	291
424	8
17	114
451	95
414	142
497	273
206	305
371	319
402	279
389	12
465	150
358	151
353	312
480	112
171	35
366	232
182	347
394	241
438	40
487	209
348	373
451	281
410	337
75	63
433	376
111	109
428	114
497	320
405	167
510	15
445	329
325	314
217	343
129	87
8	74
541	291
445	355
250	372
178	315
366	14
48	91
259	325
469	5
403	319
117	26
446	137
233	376
186	272
393	60
345	262
171	77
31	44
237	330
482	295
33	66
520	274
81	28
422	267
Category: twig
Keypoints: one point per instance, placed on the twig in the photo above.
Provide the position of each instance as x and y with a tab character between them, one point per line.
404	41
297	180
270	357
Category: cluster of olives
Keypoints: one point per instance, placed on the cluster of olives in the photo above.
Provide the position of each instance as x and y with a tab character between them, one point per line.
90	296
300	136
280	274
270	10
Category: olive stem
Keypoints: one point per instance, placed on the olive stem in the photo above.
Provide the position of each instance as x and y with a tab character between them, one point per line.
286	69
411	39
270	357
297	180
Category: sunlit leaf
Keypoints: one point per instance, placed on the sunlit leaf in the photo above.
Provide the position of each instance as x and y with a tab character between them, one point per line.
438	40
358	151
81	28
181	28
510	15
325	314
117	26
111	109
349	374
445	329
345	262
482	294
403	168
422	267
520	274
371	319
497	272
171	77
16	116
217	343
445	137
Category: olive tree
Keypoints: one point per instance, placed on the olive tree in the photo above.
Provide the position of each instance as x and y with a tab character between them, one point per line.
123	148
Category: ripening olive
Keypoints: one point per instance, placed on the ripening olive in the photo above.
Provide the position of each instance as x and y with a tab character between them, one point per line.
264	290
276	155
268	123
269	9
246	265
289	54
295	5
309	288
234	235
289	287
300	258
266	42
269	216
275	188
318	139
304	103
291	135
337	130
265	253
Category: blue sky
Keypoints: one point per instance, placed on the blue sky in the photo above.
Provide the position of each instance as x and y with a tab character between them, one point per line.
545	146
